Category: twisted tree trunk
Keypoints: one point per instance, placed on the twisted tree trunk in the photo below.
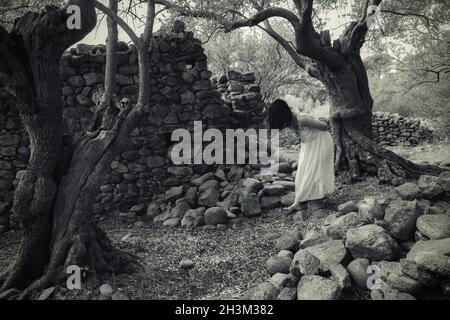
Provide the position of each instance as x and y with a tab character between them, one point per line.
55	216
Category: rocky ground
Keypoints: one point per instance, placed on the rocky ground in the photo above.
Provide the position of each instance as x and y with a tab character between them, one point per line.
224	236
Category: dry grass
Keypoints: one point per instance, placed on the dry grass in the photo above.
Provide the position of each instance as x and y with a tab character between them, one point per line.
426	153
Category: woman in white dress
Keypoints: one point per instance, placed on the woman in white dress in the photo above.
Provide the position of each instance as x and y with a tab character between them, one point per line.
315	170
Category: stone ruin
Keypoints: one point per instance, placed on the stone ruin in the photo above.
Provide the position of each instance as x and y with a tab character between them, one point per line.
183	90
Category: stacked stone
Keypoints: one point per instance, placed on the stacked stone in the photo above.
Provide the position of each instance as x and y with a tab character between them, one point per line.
393	248
394	130
14	152
240	92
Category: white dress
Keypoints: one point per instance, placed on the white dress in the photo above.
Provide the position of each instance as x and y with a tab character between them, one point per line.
315	169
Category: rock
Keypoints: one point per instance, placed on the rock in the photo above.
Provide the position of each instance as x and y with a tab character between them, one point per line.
401	216
408	191
119	296
285	253
445	288
288	294
46	294
186	264
201	180
317	288
284	167
250	205
263	291
388	293
193	218
288	199
404	283
252	185
341	276
313	237
270	202
358	271
119	167
171	222
235	174
179	210
278	265
434	227
288	241
444	181
418	273
282	280
329	253
349	206
430	187
208	193
304	263
432	255
215	215
371	242
105	289
272	190
174	193
153	210
340	226
370	207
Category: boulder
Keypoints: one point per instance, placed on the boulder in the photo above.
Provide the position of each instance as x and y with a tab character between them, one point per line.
329	253
288	294
278	265
418	273
370	207
430	187
408	191
270	202
444	181
371	242
434	226
186	264
304	263
252	185
105	290
288	199
272	190
347	207
358	272
317	288
401	216
215	215
263	291
340	275
250	205
432	255
288	241
171	223
282	280
174	193
403	283
340	226
208	193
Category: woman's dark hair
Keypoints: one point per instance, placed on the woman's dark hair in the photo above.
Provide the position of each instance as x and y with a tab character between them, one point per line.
279	115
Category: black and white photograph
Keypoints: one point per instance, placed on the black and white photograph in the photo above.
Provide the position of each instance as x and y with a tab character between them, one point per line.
226	156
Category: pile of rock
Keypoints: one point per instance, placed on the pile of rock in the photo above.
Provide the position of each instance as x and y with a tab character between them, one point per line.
393	130
217	199
240	92
392	248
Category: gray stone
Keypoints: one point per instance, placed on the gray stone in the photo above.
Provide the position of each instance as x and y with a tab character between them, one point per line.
434	227
288	294
430	187
444	181
250	205
329	253
317	288
288	199
285	253
215	215
340	275
401	216
186	264
370	207
418	273
408	191
179	210
347	207
174	193
282	280
119	296
105	289
304	263
46	294
358	271
404	283
278	265
288	241
263	291
171	222
270	202
371	242
432	255
119	167
340	226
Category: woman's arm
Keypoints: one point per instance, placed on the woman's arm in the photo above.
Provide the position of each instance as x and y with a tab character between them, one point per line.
310	122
